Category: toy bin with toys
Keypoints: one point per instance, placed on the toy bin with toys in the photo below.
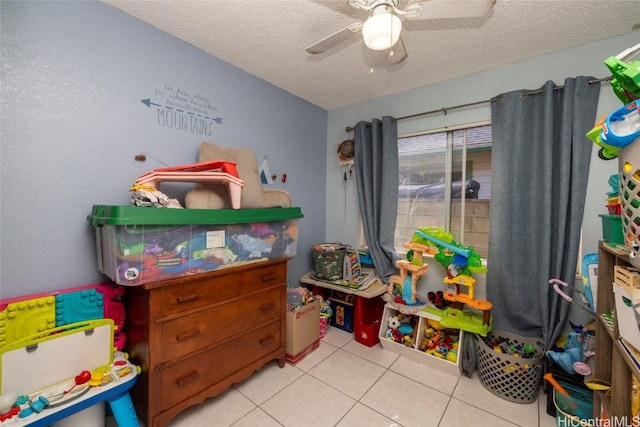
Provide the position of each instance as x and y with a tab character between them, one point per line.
137	245
419	336
510	366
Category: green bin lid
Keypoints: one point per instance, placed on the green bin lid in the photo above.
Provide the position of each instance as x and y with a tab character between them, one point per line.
140	215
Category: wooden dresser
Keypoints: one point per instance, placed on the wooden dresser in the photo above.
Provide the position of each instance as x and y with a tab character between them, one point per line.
196	336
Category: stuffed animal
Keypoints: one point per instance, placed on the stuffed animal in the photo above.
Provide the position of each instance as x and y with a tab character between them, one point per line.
393	333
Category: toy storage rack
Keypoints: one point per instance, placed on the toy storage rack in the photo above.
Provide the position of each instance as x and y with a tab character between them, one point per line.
412	352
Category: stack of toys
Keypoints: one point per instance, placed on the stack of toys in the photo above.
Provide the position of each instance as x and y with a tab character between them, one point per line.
440	343
613	197
435	341
616	134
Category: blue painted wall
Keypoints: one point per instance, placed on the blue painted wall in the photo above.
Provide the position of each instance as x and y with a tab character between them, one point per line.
73	77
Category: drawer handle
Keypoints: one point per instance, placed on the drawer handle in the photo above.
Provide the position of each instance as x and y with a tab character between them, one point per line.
187	378
188	298
266	340
265	308
268	277
186	335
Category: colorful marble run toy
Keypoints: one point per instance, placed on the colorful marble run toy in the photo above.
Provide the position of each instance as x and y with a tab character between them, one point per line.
459	262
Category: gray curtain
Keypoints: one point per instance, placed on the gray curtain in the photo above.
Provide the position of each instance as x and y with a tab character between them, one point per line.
376	167
540	165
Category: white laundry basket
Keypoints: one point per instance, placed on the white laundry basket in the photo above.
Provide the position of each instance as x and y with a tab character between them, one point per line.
629	158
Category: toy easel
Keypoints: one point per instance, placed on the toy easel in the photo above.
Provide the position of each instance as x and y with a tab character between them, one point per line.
39	371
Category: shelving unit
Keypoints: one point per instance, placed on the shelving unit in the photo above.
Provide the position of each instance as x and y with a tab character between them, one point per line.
413	352
612	363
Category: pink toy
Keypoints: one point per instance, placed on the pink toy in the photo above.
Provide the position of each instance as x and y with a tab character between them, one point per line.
213	172
556	286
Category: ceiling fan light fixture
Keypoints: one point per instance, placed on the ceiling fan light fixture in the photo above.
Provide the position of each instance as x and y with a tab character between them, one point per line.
382	29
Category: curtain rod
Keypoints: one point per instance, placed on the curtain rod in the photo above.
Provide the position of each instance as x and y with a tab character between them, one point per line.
471	104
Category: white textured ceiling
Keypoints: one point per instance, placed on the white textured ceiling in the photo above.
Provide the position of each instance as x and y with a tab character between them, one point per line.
267	38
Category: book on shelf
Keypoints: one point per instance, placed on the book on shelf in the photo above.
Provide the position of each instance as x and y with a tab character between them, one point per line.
631	352
352	268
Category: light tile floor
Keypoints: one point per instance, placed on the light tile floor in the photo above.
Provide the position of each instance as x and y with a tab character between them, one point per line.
346	384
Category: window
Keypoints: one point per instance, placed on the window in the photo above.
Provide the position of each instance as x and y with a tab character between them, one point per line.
445	181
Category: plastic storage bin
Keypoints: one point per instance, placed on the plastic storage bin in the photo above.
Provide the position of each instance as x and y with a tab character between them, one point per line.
575	380
612	229
575	409
137	245
515	379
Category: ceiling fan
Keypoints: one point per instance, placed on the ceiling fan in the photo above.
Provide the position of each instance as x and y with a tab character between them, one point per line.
381	30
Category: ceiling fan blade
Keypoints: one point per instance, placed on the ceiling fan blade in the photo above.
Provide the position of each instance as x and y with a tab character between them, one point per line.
335	38
397	53
439	9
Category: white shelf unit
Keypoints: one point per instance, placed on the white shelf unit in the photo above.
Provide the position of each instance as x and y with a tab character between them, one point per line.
413	352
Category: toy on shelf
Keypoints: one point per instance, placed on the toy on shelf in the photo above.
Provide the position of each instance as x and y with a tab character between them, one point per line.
459	262
607	152
440	344
454	257
626	85
616	134
626	74
402	289
212	172
622	127
393	333
402	329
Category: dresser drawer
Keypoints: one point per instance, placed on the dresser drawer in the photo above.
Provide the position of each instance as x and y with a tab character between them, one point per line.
186	334
206	289
194	374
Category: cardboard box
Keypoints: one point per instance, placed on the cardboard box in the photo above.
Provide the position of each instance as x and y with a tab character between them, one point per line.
303	331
